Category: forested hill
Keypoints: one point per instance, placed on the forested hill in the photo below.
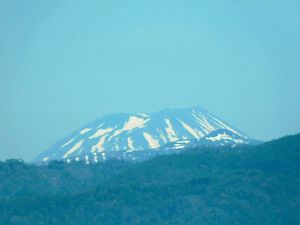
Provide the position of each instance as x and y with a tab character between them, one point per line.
247	185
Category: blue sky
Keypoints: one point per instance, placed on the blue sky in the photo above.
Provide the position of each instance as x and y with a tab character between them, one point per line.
65	63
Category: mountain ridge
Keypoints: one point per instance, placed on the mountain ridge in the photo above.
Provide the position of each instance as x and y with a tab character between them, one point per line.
131	132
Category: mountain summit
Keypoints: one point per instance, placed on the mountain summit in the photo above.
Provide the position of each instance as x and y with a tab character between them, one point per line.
126	134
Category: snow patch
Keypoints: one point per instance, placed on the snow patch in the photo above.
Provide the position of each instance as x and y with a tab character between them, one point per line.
73	149
100	125
170	131
99	145
162	136
200	133
225	126
132	123
225	137
130	143
101	132
45	159
87	159
151	141
94	149
184	141
67	143
84	131
178	146
143	114
203	123
220	137
189	129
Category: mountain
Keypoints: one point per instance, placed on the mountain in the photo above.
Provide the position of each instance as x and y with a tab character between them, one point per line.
139	135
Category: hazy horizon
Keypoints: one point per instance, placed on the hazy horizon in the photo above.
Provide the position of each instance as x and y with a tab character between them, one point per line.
64	64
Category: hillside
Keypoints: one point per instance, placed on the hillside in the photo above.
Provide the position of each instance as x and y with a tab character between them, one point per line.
246	185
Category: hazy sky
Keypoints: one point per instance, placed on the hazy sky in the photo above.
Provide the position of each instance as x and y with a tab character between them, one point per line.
65	63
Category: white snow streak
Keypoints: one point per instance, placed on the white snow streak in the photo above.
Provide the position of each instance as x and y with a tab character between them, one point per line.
101	132
84	131
73	149
132	123
204	124
171	133
200	133
100	125
130	143
67	143
189	129
151	141
184	141
100	143
225	126
162	136
178	146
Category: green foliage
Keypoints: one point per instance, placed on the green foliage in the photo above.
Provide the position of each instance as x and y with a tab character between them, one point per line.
248	185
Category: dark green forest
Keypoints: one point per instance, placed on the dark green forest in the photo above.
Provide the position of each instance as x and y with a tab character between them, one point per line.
245	185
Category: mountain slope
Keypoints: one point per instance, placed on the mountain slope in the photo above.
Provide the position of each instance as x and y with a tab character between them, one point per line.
127	133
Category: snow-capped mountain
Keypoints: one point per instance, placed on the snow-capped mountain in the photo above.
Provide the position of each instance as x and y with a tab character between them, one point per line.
126	135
